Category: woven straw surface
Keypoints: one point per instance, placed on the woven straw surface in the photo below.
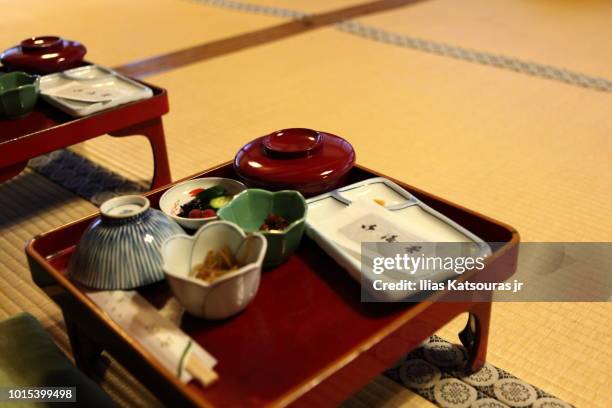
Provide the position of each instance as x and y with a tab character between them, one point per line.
566	34
116	32
528	151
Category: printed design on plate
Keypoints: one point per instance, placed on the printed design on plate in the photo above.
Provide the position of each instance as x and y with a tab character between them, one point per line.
452	393
373	228
515	392
434	370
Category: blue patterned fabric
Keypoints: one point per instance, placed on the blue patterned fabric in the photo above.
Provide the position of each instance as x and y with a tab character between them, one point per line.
83	177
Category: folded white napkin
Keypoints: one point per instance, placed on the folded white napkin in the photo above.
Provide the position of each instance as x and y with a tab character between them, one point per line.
154	332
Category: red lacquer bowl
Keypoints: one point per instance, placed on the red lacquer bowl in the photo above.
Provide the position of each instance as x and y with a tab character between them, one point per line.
43	55
300	159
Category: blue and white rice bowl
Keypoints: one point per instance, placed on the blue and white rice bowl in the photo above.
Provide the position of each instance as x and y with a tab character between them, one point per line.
122	248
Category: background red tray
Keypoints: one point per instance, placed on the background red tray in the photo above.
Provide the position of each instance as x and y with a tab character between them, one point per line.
306	339
46	129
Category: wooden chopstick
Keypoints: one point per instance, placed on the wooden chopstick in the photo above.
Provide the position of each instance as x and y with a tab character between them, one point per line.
200	371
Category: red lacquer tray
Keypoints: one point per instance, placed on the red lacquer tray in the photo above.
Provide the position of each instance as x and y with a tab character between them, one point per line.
306	340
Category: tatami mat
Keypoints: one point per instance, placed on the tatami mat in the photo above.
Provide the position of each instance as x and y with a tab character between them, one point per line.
116	32
531	152
568	34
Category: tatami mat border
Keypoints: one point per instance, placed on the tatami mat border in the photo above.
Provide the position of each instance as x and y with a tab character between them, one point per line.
300	23
465	54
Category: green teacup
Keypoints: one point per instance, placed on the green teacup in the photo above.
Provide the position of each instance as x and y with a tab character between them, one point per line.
18	93
250	208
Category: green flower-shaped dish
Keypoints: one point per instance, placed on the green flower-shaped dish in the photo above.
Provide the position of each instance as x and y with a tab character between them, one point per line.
250	208
18	93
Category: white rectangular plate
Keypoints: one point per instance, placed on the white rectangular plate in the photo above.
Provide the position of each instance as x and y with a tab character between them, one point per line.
339	230
89	89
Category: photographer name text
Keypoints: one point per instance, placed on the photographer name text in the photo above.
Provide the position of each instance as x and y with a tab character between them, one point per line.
454	285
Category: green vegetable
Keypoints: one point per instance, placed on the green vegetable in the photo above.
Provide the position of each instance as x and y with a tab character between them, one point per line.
219	202
210	193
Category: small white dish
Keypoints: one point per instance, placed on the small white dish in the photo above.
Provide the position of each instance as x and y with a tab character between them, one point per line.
172	200
230	293
89	89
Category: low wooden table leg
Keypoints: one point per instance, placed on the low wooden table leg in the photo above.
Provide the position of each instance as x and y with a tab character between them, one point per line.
86	353
154	131
475	335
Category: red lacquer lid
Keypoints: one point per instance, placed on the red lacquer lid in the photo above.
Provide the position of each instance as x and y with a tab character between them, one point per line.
44	55
301	159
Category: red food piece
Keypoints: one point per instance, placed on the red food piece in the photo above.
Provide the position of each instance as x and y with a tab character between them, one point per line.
209	213
196	213
196	191
274	222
